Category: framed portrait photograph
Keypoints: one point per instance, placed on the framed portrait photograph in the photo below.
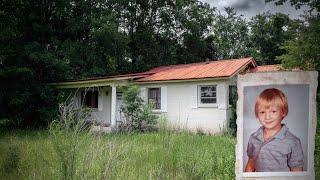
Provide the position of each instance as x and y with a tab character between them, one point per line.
276	125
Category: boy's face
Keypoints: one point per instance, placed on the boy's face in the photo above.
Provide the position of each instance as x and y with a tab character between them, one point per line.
270	116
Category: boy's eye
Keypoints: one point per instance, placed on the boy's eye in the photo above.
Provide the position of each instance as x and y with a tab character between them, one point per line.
261	112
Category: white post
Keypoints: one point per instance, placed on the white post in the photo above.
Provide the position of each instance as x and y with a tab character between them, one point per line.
113	105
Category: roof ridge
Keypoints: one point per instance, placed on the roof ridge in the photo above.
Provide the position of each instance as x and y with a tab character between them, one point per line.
202	62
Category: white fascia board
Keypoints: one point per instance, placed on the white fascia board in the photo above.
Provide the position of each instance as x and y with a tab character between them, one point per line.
183	80
88	83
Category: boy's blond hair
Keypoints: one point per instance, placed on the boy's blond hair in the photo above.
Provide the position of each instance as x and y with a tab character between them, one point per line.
272	96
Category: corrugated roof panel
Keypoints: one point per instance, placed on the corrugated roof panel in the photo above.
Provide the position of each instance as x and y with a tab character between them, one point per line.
210	69
266	68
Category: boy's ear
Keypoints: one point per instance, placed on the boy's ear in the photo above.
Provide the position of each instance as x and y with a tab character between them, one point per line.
283	115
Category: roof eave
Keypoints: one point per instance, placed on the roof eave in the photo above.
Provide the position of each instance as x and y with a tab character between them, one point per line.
244	67
183	80
92	83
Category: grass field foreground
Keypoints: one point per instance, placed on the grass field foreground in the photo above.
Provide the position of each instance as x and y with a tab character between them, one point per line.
161	155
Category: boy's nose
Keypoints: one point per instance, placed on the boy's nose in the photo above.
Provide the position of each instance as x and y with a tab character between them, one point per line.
268	115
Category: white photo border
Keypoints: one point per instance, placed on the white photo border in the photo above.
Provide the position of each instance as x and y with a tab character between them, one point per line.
277	78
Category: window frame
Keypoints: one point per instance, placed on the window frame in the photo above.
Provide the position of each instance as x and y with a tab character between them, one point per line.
84	98
200	104
159	99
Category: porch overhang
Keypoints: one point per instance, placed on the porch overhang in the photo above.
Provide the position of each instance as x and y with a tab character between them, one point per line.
93	82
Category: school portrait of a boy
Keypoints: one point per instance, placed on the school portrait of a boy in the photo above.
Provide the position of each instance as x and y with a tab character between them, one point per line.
275	128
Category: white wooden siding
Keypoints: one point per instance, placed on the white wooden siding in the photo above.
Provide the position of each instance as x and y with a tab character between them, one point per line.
164	98
102	113
182	110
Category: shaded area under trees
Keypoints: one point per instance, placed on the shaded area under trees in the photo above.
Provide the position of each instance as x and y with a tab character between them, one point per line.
51	41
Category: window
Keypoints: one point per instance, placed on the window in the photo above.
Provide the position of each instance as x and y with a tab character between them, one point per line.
232	94
89	99
119	96
154	97
208	94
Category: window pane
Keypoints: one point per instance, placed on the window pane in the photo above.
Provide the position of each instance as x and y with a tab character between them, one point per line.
208	100
119	96
208	91
154	97
90	99
208	94
94	103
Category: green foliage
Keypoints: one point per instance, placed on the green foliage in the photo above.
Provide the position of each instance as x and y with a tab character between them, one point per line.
163	155
317	155
233	120
230	36
313	4
138	116
303	52
65	138
268	33
11	162
51	41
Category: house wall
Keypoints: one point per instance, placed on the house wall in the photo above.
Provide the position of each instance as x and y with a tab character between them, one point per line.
183	111
102	114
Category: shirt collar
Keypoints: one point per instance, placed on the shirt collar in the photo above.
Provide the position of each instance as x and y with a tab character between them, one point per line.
280	135
259	134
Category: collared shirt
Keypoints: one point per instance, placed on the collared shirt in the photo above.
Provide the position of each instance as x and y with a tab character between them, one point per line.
278	154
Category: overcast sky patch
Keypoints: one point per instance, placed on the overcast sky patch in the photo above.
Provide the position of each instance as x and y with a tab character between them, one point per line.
250	8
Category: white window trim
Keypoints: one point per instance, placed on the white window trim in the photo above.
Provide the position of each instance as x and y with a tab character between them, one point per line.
160	96
215	105
162	108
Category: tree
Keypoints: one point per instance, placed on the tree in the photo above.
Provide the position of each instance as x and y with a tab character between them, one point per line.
163	32
230	36
44	42
193	21
51	41
303	51
268	33
313	4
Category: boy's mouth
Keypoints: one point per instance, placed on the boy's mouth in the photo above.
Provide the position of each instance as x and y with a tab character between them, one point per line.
268	122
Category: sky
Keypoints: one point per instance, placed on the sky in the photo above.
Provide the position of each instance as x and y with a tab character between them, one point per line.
250	8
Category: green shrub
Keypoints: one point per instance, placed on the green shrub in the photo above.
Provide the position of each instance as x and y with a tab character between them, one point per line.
138	115
317	156
233	120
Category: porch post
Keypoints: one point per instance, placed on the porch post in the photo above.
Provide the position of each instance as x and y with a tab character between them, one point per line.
113	105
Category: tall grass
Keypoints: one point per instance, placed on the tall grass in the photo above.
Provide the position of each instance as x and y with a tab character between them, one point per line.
137	156
70	151
161	155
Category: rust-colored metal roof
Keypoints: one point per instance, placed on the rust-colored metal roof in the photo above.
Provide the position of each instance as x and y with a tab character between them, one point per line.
202	70
209	69
266	68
